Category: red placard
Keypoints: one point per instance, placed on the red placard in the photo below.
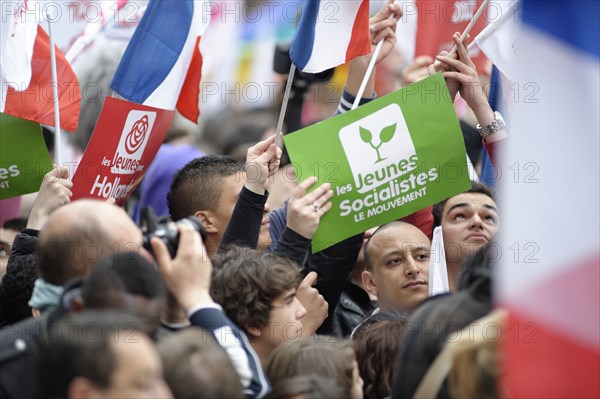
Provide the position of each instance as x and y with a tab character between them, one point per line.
438	20
124	143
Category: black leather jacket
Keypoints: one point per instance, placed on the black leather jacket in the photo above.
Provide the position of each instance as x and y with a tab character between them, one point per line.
354	307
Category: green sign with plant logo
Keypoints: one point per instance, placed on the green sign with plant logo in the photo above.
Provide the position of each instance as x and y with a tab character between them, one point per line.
385	160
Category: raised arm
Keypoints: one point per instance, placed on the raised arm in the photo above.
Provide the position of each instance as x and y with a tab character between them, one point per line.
262	161
383	27
55	191
461	76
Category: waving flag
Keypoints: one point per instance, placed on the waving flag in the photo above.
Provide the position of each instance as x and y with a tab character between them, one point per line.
26	75
164	56
331	33
550	275
499	41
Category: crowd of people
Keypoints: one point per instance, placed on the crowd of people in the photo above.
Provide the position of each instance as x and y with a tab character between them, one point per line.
93	306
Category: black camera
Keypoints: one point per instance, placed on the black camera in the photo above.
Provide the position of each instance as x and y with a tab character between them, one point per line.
282	64
166	230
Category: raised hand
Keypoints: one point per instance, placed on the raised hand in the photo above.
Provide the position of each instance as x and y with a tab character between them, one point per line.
383	27
305	210
262	162
55	191
463	71
316	306
187	276
461	74
439	66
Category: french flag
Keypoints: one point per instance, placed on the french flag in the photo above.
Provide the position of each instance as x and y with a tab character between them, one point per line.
162	65
25	69
549	279
331	33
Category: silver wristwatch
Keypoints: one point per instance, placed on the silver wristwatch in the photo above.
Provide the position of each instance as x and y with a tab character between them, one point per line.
496	125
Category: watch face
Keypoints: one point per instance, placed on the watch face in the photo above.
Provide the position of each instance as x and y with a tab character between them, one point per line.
496	125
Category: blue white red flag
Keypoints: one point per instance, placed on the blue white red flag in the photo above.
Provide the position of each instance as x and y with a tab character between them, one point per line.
162	65
331	33
25	70
549	279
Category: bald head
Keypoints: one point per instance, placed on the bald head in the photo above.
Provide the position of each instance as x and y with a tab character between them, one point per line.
397	266
78	234
399	230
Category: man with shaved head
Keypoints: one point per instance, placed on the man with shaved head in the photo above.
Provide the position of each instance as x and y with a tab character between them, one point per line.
73	238
78	234
397	266
66	239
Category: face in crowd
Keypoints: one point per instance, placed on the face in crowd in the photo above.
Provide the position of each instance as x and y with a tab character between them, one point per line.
221	215
469	221
397	266
285	320
138	374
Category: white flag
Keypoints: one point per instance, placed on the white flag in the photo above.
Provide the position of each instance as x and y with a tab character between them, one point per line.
19	29
438	273
499	40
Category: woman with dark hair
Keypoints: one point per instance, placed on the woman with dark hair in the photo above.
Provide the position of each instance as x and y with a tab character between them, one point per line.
376	346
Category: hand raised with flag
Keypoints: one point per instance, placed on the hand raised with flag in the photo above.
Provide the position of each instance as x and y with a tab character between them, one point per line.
461	74
383	27
262	162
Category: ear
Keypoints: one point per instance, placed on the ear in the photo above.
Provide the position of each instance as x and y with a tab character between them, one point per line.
207	218
82	388
254	332
368	282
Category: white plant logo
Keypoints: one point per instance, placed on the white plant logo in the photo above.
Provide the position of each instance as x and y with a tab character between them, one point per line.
132	143
378	148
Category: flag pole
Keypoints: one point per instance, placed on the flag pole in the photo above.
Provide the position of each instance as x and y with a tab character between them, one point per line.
286	98
470	26
471	169
57	140
363	85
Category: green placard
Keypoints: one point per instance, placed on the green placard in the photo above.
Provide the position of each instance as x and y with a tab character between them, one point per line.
24	158
385	160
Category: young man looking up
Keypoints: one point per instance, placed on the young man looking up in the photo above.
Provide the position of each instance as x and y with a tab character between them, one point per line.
469	221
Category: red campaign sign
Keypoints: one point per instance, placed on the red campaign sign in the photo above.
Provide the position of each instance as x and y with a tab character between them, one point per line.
124	143
439	20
